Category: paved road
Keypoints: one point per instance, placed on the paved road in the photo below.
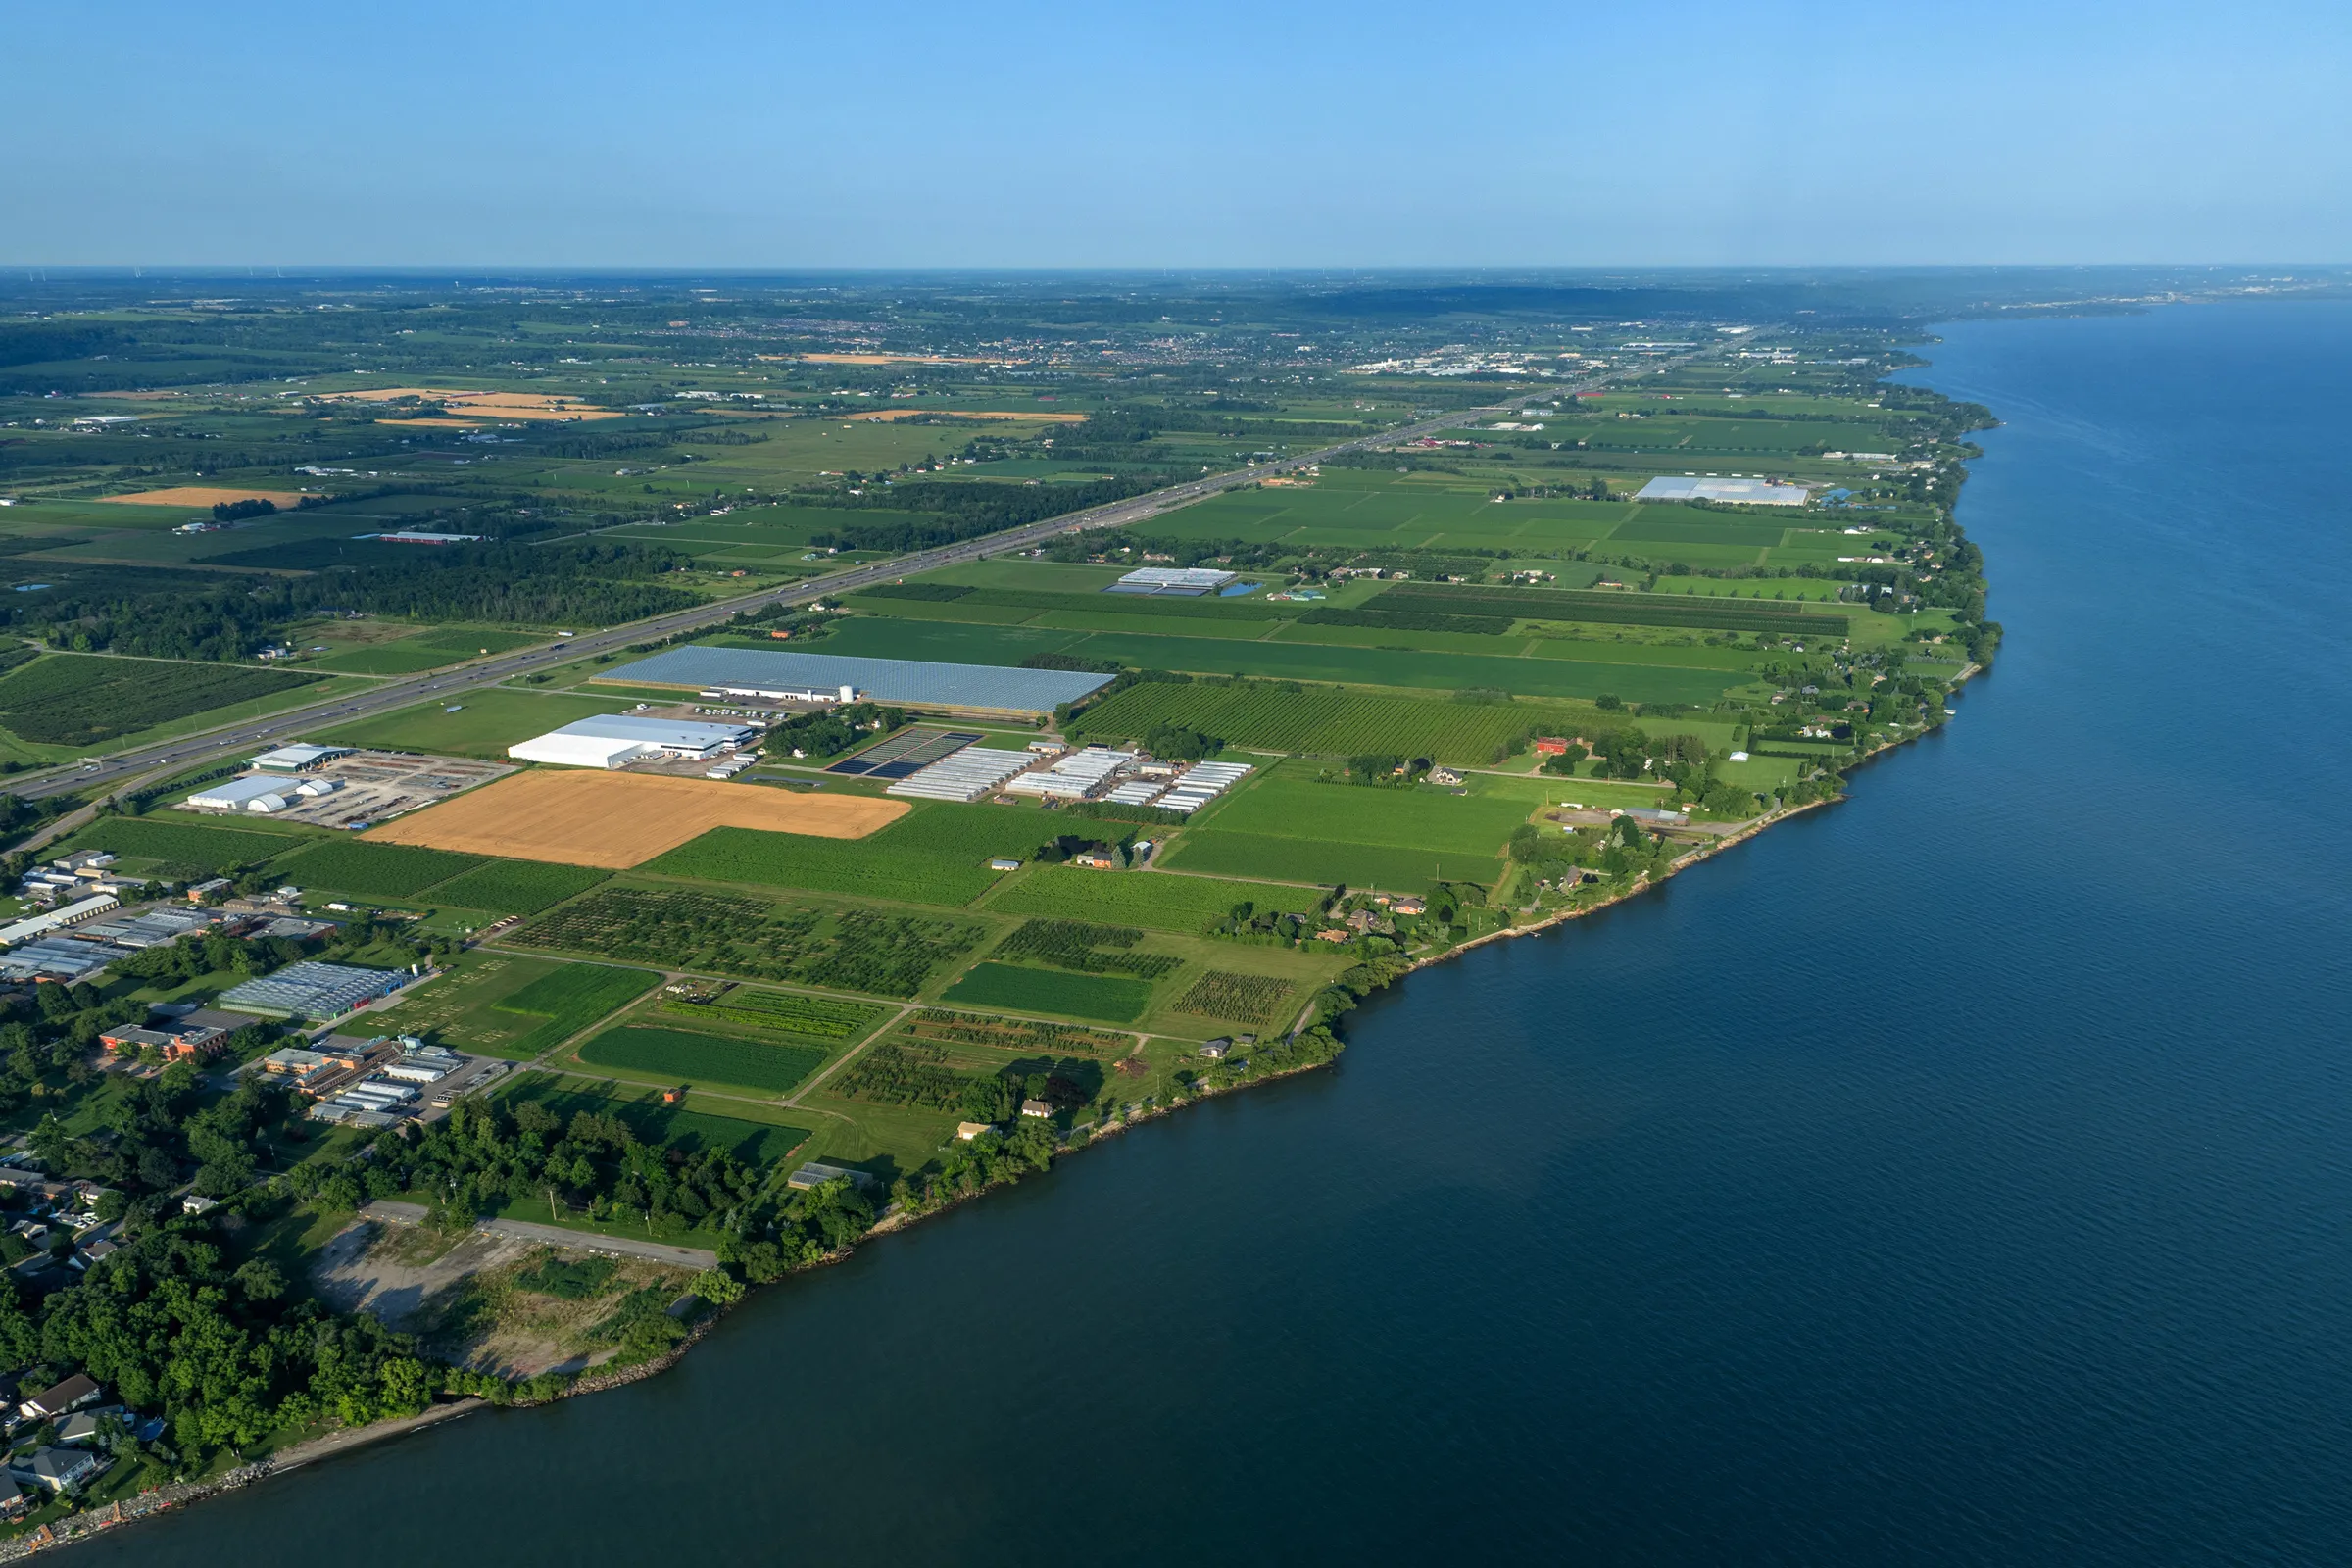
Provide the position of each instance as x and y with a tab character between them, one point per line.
188	750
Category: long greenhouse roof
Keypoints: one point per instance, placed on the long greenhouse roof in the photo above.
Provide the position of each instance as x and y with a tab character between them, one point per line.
882	680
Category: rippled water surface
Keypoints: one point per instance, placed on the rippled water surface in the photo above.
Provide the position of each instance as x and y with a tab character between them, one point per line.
1956	1175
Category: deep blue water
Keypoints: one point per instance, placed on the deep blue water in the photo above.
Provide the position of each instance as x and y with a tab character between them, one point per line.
1962	1174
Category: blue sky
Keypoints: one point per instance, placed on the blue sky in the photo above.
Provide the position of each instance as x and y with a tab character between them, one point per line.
1016	134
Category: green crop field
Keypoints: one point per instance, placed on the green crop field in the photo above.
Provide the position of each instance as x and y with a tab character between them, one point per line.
81	699
1162	900
1328	860
681	1054
570	998
209	850
1111	999
376	870
1292	802
936	854
1332	723
1283	659
644	1115
818	1017
515	887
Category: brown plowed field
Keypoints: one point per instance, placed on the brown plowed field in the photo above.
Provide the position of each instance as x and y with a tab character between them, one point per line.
204	495
616	820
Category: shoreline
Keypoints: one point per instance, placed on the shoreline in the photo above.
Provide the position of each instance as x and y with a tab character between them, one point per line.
330	1444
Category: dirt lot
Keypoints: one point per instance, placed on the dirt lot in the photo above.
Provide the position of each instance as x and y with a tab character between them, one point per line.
616	820
468	1299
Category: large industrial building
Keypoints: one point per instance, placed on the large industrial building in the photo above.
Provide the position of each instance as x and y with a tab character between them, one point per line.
1714	487
759	672
1188	582
312	990
260	792
615	740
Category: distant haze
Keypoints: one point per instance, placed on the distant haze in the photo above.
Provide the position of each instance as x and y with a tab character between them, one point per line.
1208	134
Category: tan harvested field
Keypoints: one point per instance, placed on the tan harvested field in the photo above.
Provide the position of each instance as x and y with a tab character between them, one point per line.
486	405
616	820
877	358
968	414
204	495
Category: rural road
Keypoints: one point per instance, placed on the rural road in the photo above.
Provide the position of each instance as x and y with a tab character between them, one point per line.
276	729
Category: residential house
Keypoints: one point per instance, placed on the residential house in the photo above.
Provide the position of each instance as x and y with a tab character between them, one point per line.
54	1469
13	1500
51	1402
969	1130
1036	1108
85	1427
1216	1050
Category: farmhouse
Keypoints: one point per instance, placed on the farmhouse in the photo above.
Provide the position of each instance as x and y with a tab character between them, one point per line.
615	740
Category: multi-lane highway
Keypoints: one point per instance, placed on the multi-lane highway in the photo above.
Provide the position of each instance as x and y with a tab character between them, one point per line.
190	751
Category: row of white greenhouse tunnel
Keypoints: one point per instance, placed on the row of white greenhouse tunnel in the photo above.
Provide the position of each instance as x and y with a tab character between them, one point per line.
1095	772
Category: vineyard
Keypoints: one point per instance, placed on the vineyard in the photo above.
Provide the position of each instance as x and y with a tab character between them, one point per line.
720	1058
376	870
1076	945
1024	1035
184	847
515	887
1111	999
721	933
1219	994
819	1017
1330	721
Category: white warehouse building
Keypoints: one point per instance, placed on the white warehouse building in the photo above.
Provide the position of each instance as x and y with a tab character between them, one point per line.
615	740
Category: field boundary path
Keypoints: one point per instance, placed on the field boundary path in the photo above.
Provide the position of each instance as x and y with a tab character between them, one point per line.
195	749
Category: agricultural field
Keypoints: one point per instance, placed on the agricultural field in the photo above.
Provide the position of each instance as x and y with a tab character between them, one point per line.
587	816
1109	998
505	1006
1246	998
184	849
717	933
81	700
1283	716
515	887
937	853
784	1012
680	1054
374	871
1162	900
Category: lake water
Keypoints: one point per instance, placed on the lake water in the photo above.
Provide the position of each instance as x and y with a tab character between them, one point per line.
1962	1174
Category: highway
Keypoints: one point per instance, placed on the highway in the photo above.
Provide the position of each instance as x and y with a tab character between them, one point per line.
191	750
